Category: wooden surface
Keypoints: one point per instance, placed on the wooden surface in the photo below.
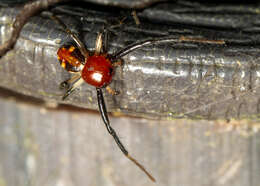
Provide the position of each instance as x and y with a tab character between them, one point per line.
65	147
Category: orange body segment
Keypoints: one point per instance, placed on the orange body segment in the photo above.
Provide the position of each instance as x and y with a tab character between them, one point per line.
70	58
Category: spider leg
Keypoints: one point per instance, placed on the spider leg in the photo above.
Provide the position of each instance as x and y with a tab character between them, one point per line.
98	46
117	63
111	90
76	84
101	42
67	83
103	112
140	44
79	44
105	40
202	40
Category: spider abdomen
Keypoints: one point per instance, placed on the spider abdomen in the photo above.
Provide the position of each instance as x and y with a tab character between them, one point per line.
98	71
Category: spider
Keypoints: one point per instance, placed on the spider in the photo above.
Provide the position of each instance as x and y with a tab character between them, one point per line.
97	69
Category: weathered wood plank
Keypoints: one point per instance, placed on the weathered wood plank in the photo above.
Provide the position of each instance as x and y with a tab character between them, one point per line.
40	146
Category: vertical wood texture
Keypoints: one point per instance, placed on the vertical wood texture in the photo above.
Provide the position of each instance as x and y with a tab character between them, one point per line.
61	147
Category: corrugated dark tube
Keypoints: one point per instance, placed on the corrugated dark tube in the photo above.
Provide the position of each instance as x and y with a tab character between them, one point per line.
163	80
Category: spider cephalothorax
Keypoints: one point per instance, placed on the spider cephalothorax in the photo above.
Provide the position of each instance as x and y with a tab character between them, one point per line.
96	71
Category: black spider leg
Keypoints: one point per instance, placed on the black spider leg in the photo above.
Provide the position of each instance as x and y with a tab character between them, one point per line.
105	40
102	42
69	82
108	27
79	44
104	35
75	85
140	44
103	112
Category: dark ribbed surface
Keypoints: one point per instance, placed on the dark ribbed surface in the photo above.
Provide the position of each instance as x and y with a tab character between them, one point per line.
128	4
165	80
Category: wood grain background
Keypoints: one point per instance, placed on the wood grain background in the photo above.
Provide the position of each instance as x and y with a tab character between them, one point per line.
64	146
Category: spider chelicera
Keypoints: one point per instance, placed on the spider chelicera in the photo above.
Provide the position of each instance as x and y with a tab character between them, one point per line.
97	69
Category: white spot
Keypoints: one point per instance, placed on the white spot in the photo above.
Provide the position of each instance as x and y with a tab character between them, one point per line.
97	76
257	73
242	88
60	183
243	74
31	164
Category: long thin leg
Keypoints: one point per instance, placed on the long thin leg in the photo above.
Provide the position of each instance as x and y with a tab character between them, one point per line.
117	63
73	88
135	46
80	45
98	47
101	42
67	83
103	112
105	40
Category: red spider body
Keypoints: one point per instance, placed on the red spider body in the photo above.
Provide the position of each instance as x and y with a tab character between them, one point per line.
98	71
